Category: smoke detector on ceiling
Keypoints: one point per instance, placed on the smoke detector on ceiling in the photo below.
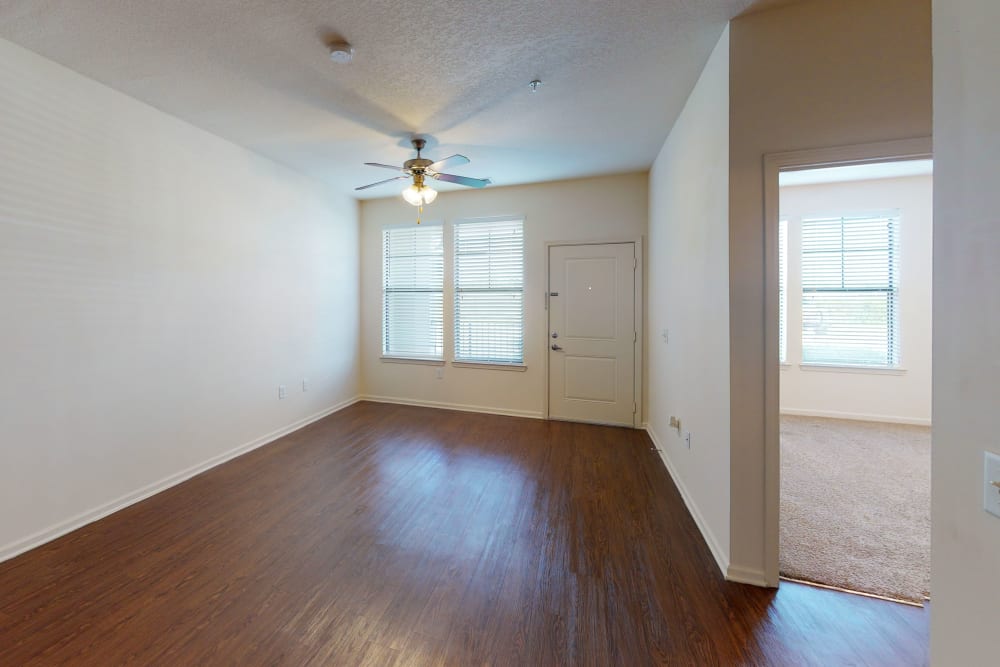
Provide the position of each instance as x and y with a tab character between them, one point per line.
341	53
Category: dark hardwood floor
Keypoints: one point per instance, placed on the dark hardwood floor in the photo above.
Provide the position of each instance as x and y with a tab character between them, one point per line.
393	535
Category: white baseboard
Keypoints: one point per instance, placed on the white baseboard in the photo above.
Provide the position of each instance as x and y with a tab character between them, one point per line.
856	416
747	575
8	551
721	557
530	414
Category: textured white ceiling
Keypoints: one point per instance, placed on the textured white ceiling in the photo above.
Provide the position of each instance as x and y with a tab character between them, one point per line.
615	73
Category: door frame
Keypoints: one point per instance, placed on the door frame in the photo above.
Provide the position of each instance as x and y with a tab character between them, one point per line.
639	299
838	156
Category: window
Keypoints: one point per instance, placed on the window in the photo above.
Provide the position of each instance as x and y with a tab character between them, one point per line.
489	291
783	291
412	301
850	290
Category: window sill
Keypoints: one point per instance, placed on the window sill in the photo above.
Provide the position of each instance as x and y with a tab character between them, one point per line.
846	368
422	361
490	366
784	365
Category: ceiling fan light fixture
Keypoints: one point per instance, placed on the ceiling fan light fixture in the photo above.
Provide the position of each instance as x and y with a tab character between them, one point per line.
419	196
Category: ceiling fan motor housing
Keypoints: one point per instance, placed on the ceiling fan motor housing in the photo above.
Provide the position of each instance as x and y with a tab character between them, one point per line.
417	163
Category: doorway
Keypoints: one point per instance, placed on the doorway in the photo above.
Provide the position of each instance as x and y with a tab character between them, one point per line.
848	414
593	333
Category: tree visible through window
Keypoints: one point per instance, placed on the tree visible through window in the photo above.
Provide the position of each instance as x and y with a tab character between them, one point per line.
850	284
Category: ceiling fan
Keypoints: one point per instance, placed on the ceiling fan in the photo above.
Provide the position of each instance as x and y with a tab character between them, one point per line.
420	168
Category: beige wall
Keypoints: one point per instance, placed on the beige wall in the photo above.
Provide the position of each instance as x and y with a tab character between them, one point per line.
594	209
965	541
157	284
808	75
689	299
858	394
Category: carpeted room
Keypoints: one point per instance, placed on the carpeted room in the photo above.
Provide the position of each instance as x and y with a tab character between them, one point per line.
856	378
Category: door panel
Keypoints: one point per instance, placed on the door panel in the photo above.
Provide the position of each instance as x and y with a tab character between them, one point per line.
592	333
591	378
590	294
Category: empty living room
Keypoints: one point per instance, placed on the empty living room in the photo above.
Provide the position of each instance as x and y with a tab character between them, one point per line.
382	333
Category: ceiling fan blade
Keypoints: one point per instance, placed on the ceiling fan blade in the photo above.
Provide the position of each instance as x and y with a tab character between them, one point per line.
388	180
450	161
384	166
463	180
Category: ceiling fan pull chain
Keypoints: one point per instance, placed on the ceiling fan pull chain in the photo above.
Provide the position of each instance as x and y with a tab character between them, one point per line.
420	212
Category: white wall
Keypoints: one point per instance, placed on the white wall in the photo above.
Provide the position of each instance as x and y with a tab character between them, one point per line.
811	74
858	394
156	285
593	209
689	296
965	541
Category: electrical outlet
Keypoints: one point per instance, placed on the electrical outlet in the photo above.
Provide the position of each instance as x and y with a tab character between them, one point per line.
439	372
991	483
687	439
305	384
282	391
666	335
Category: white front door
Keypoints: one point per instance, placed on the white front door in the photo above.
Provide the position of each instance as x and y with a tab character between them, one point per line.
592	333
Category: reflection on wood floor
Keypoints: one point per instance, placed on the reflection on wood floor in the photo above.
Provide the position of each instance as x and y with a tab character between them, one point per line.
399	535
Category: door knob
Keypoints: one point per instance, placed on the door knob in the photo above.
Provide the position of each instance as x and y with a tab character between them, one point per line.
556	347
555	334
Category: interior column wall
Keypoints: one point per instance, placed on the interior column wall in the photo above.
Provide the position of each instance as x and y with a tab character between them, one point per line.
808	75
688	330
965	540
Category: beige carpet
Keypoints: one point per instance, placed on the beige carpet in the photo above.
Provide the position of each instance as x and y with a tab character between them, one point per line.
855	505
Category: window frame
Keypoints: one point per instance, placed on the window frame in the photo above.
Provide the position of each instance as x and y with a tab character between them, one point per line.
482	362
385	354
893	347
783	273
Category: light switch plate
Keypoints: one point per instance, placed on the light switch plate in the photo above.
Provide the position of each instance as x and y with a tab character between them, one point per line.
991	492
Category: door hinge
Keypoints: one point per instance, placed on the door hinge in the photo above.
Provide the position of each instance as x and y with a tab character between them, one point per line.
634	408
635	263
635	336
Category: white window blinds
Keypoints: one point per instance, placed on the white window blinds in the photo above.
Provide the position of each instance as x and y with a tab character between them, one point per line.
850	290
412	282
489	291
783	291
